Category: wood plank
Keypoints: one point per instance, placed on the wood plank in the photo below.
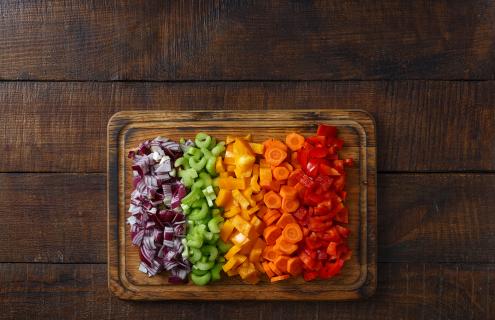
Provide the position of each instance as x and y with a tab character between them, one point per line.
421	218
405	291
52	218
220	40
127	129
421	125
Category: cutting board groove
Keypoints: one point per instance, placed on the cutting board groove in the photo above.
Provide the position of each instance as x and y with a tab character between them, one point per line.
127	129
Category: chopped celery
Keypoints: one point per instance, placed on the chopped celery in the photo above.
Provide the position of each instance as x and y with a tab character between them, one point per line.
202	140
201	280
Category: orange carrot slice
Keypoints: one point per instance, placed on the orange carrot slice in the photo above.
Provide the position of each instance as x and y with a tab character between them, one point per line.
294	141
272	200
275	156
281	263
284	220
271	234
269	254
294	266
292	233
280	173
273	143
288	192
279	278
290	204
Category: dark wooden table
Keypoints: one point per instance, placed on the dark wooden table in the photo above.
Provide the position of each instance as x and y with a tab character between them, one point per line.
424	69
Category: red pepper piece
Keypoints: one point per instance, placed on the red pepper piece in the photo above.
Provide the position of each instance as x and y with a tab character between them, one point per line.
343	231
327	131
349	162
312	167
317	141
332	250
331	269
310	275
319	152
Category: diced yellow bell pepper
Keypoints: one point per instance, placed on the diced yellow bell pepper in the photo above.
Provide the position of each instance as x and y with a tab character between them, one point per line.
259	196
223	197
234	262
257	148
253	183
241	225
226	230
265	177
239	239
245	215
231	183
255	254
232	251
248	137
219	165
229	140
234	210
241	147
264	164
257	224
239	198
224	174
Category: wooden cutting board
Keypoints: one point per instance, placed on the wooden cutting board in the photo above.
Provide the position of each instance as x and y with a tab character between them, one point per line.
127	129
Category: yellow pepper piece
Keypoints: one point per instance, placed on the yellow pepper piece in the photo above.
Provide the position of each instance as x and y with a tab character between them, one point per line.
232	212
234	262
241	225
239	198
248	137
232	252
253	183
223	197
231	183
241	147
257	224
257	148
233	272
219	165
229	140
226	230
239	239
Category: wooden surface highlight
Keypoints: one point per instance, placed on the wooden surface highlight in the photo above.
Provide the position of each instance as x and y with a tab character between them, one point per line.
127	129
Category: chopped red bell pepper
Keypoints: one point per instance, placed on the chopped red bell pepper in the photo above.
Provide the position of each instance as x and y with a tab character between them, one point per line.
343	231
331	269
310	275
327	131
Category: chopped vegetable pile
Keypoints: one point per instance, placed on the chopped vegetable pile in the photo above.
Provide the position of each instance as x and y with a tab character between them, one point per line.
248	209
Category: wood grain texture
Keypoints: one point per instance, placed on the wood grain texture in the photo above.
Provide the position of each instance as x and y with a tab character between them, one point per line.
422	218
421	125
129	128
238	40
405	291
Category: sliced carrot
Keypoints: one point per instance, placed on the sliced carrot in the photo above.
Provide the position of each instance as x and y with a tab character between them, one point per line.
287	165
267	269
284	220
292	233
275	185
290	204
272	219
271	234
275	156
294	266
281	263
269	254
294	141
279	278
262	212
259	196
275	269
284	246
280	173
259	267
288	191
272	200
273	143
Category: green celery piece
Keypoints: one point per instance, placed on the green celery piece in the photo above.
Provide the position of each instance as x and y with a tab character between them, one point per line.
213	224
185	251
198	214
206	178
202	140
198	165
207	235
214	239
218	149
216	212
179	162
201	280
215	272
223	247
221	260
213	143
195	242
196	255
211	165
185	208
198	272
204	265
211	251
191	197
